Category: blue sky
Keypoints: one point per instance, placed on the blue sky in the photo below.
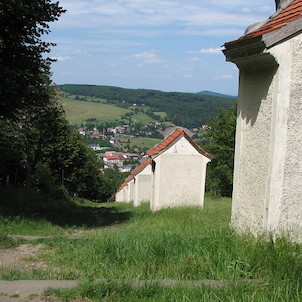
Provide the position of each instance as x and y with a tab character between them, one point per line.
168	45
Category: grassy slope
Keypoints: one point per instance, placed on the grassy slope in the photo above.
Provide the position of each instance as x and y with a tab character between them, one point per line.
180	244
78	111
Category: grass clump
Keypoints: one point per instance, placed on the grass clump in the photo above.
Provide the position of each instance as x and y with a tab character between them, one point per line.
184	244
124	292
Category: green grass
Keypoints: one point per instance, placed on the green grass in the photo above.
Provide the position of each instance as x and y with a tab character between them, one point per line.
142	118
179	244
161	114
143	142
78	111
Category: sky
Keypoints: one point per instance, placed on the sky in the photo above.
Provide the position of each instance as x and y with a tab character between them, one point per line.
168	45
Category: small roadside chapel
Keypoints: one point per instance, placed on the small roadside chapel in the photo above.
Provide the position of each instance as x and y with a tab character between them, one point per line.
172	175
267	192
178	172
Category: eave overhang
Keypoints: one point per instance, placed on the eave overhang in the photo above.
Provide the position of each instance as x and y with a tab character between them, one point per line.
248	53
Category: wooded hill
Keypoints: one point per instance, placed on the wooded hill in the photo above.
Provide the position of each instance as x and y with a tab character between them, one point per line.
183	109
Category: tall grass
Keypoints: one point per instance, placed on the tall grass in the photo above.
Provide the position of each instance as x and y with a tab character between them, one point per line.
179	244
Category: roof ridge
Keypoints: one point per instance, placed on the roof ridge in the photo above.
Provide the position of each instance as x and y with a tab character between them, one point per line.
166	142
141	167
291	13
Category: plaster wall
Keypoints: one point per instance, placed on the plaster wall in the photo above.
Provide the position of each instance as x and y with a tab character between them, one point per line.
179	177
253	136
267	193
284	216
130	191
143	186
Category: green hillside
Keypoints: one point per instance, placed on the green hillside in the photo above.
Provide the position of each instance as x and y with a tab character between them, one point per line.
183	109
79	111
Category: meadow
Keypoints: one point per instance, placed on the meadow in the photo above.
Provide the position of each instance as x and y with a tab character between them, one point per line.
78	111
194	250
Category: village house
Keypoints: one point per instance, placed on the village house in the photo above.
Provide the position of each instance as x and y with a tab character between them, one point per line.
178	172
267	191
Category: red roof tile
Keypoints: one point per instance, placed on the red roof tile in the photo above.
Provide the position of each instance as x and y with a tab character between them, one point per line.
291	13
165	143
171	139
141	167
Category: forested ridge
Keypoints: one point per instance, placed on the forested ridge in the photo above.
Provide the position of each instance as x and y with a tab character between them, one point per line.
183	109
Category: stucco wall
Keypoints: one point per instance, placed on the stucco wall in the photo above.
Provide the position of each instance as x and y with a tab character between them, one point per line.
143	186
267	192
179	177
130	191
285	214
252	148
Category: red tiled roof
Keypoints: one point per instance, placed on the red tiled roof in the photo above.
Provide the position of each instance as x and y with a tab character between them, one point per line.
165	143
141	167
291	13
123	185
170	140
128	179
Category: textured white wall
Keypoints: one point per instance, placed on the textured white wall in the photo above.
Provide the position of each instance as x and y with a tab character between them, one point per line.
179	177
143	186
252	148
285	209
130	191
267	193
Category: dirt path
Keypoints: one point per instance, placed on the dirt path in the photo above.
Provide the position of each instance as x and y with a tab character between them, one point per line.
30	290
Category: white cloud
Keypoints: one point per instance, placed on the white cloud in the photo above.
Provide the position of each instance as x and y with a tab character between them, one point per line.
148	57
61	58
207	51
246	10
188	76
138	17
266	8
195	59
224	77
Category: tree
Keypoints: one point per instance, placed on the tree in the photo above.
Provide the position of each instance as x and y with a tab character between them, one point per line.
25	73
221	138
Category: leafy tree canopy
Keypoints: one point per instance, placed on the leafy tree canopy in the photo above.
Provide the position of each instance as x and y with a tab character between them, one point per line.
221	138
25	73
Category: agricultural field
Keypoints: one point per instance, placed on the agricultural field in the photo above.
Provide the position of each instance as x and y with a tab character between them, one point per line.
133	254
78	111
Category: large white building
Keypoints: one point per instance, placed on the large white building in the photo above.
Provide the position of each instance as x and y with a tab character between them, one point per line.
267	194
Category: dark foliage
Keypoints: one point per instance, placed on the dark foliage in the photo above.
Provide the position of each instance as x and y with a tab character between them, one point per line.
25	73
221	138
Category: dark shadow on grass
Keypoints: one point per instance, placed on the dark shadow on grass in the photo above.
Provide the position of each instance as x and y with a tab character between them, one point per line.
16	205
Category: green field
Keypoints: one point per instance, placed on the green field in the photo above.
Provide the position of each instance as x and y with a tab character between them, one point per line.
161	114
78	111
142	118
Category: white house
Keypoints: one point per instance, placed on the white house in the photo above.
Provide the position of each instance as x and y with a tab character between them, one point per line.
267	193
178	172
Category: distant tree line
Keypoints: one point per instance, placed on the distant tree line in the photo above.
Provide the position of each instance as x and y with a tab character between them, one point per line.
183	109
